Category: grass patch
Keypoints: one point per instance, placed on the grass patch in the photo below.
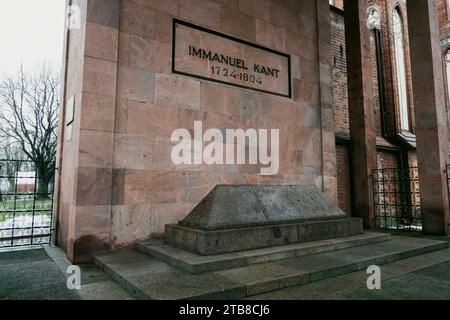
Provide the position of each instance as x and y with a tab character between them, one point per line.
24	207
26	204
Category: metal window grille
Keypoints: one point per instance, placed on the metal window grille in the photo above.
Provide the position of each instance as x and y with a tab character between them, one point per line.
396	196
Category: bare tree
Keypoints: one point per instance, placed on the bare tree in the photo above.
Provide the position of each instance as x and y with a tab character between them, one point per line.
10	168
29	106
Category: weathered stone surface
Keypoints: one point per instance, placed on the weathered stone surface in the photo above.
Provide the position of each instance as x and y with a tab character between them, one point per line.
234	218
195	263
210	242
119	68
147	278
238	206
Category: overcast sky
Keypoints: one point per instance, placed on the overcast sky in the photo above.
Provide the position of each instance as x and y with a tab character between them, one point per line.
31	32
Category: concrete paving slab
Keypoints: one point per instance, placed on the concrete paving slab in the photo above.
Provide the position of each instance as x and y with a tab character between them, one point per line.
419	277
95	284
145	277
407	287
148	278
264	277
31	274
34	275
104	290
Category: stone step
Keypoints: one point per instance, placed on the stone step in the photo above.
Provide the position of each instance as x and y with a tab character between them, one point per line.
148	278
195	263
229	240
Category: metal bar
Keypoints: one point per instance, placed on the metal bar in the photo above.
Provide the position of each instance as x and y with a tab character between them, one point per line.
27	228
52	194
15	199
34	203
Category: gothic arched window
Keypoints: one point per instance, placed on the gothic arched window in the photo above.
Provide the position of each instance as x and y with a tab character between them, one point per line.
399	46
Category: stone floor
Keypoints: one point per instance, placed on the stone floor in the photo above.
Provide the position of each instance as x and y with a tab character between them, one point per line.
31	274
40	274
424	277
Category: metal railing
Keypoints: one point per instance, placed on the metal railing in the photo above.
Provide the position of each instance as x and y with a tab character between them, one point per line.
26	204
396	197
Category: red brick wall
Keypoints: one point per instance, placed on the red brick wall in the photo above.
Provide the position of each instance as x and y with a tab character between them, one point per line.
444	15
341	114
339	69
343	178
387	159
386	8
375	87
444	22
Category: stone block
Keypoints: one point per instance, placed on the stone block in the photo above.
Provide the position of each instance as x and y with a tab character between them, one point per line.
149	55
218	99
124	49
150	186
229	240
257	8
133	151
233	4
164	27
93	221
155	121
96	149
136	84
289	20
138	19
237	24
131	224
104	12
101	42
175	91
237	206
206	13
307	26
167	6
100	77
243	217
97	112
93	186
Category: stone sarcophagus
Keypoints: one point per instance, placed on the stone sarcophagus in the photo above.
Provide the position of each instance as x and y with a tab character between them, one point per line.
234	218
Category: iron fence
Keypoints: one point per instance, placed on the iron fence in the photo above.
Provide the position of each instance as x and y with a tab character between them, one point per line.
26	204
396	196
448	182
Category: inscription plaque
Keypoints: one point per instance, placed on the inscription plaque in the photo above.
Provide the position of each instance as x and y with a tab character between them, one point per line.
209	55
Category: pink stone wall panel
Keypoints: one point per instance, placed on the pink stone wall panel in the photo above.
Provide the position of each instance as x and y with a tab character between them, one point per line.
131	102
152	102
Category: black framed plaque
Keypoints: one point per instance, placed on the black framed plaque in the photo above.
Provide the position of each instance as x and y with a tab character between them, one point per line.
210	55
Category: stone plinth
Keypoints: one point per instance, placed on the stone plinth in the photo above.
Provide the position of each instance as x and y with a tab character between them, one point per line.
244	205
236	218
